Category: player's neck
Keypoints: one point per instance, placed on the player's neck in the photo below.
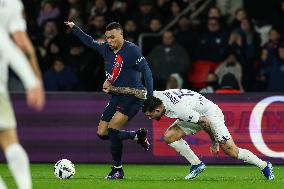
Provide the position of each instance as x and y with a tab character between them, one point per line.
119	46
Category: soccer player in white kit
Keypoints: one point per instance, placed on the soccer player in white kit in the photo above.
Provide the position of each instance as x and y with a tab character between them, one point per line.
13	24
194	113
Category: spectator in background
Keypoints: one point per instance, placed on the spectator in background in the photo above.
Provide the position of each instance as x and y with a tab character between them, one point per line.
278	18
212	43
50	31
97	25
214	12
176	8
229	84
155	25
235	44
49	10
186	35
239	15
60	77
163	7
119	11
87	64
145	14
166	59
54	49
130	31
229	7
99	7
230	65
275	75
251	44
211	84
273	43
174	82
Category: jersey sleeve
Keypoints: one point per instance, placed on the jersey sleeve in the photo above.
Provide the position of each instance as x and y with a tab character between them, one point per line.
144	68
185	113
17	21
89	41
18	62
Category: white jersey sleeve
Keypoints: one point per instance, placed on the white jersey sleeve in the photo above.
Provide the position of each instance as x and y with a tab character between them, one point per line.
16	59
17	22
11	16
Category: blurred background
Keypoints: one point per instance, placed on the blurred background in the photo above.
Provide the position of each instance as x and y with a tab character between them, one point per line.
212	46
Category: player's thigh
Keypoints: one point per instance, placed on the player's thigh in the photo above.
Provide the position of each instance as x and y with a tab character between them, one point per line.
218	127
129	105
7	116
102	128
118	121
8	137
229	147
110	109
173	133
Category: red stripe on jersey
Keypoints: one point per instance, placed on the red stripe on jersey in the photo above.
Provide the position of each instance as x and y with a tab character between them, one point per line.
116	68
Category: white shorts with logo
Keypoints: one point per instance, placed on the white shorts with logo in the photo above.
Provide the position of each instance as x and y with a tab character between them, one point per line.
7	116
217	122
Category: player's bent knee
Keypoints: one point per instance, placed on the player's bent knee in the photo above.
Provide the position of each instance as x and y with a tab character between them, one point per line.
170	137
232	152
103	137
102	132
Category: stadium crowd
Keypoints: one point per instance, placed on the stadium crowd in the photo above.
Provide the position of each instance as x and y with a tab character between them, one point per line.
224	49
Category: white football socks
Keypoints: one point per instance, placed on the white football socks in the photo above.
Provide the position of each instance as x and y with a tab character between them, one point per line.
183	149
18	164
2	184
249	157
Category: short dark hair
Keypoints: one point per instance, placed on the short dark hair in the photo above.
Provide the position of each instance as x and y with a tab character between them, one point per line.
151	104
114	25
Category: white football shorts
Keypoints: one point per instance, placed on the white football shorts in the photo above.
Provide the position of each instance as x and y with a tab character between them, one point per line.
7	116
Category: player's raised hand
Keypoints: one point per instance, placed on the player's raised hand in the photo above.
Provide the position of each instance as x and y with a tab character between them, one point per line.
36	98
106	86
70	24
214	148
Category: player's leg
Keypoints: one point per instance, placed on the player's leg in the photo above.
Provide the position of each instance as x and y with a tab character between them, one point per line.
2	184
102	130
174	138
130	106
16	156
230	148
227	144
116	123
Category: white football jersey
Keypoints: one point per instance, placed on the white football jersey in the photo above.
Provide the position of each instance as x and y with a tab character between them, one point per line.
11	16
185	105
11	55
11	20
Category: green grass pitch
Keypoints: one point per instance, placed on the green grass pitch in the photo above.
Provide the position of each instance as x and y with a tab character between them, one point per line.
91	176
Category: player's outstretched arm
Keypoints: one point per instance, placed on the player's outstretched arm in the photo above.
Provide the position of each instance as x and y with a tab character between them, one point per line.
85	38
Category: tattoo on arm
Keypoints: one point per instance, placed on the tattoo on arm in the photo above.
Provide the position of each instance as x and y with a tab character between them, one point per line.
141	94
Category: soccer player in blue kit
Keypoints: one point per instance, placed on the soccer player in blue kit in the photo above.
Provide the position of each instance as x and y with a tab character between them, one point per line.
124	64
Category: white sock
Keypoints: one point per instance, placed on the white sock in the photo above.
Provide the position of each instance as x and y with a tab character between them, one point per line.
183	149
249	157
18	164
2	184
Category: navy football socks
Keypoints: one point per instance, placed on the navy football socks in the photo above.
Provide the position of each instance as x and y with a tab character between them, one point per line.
115	146
124	135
